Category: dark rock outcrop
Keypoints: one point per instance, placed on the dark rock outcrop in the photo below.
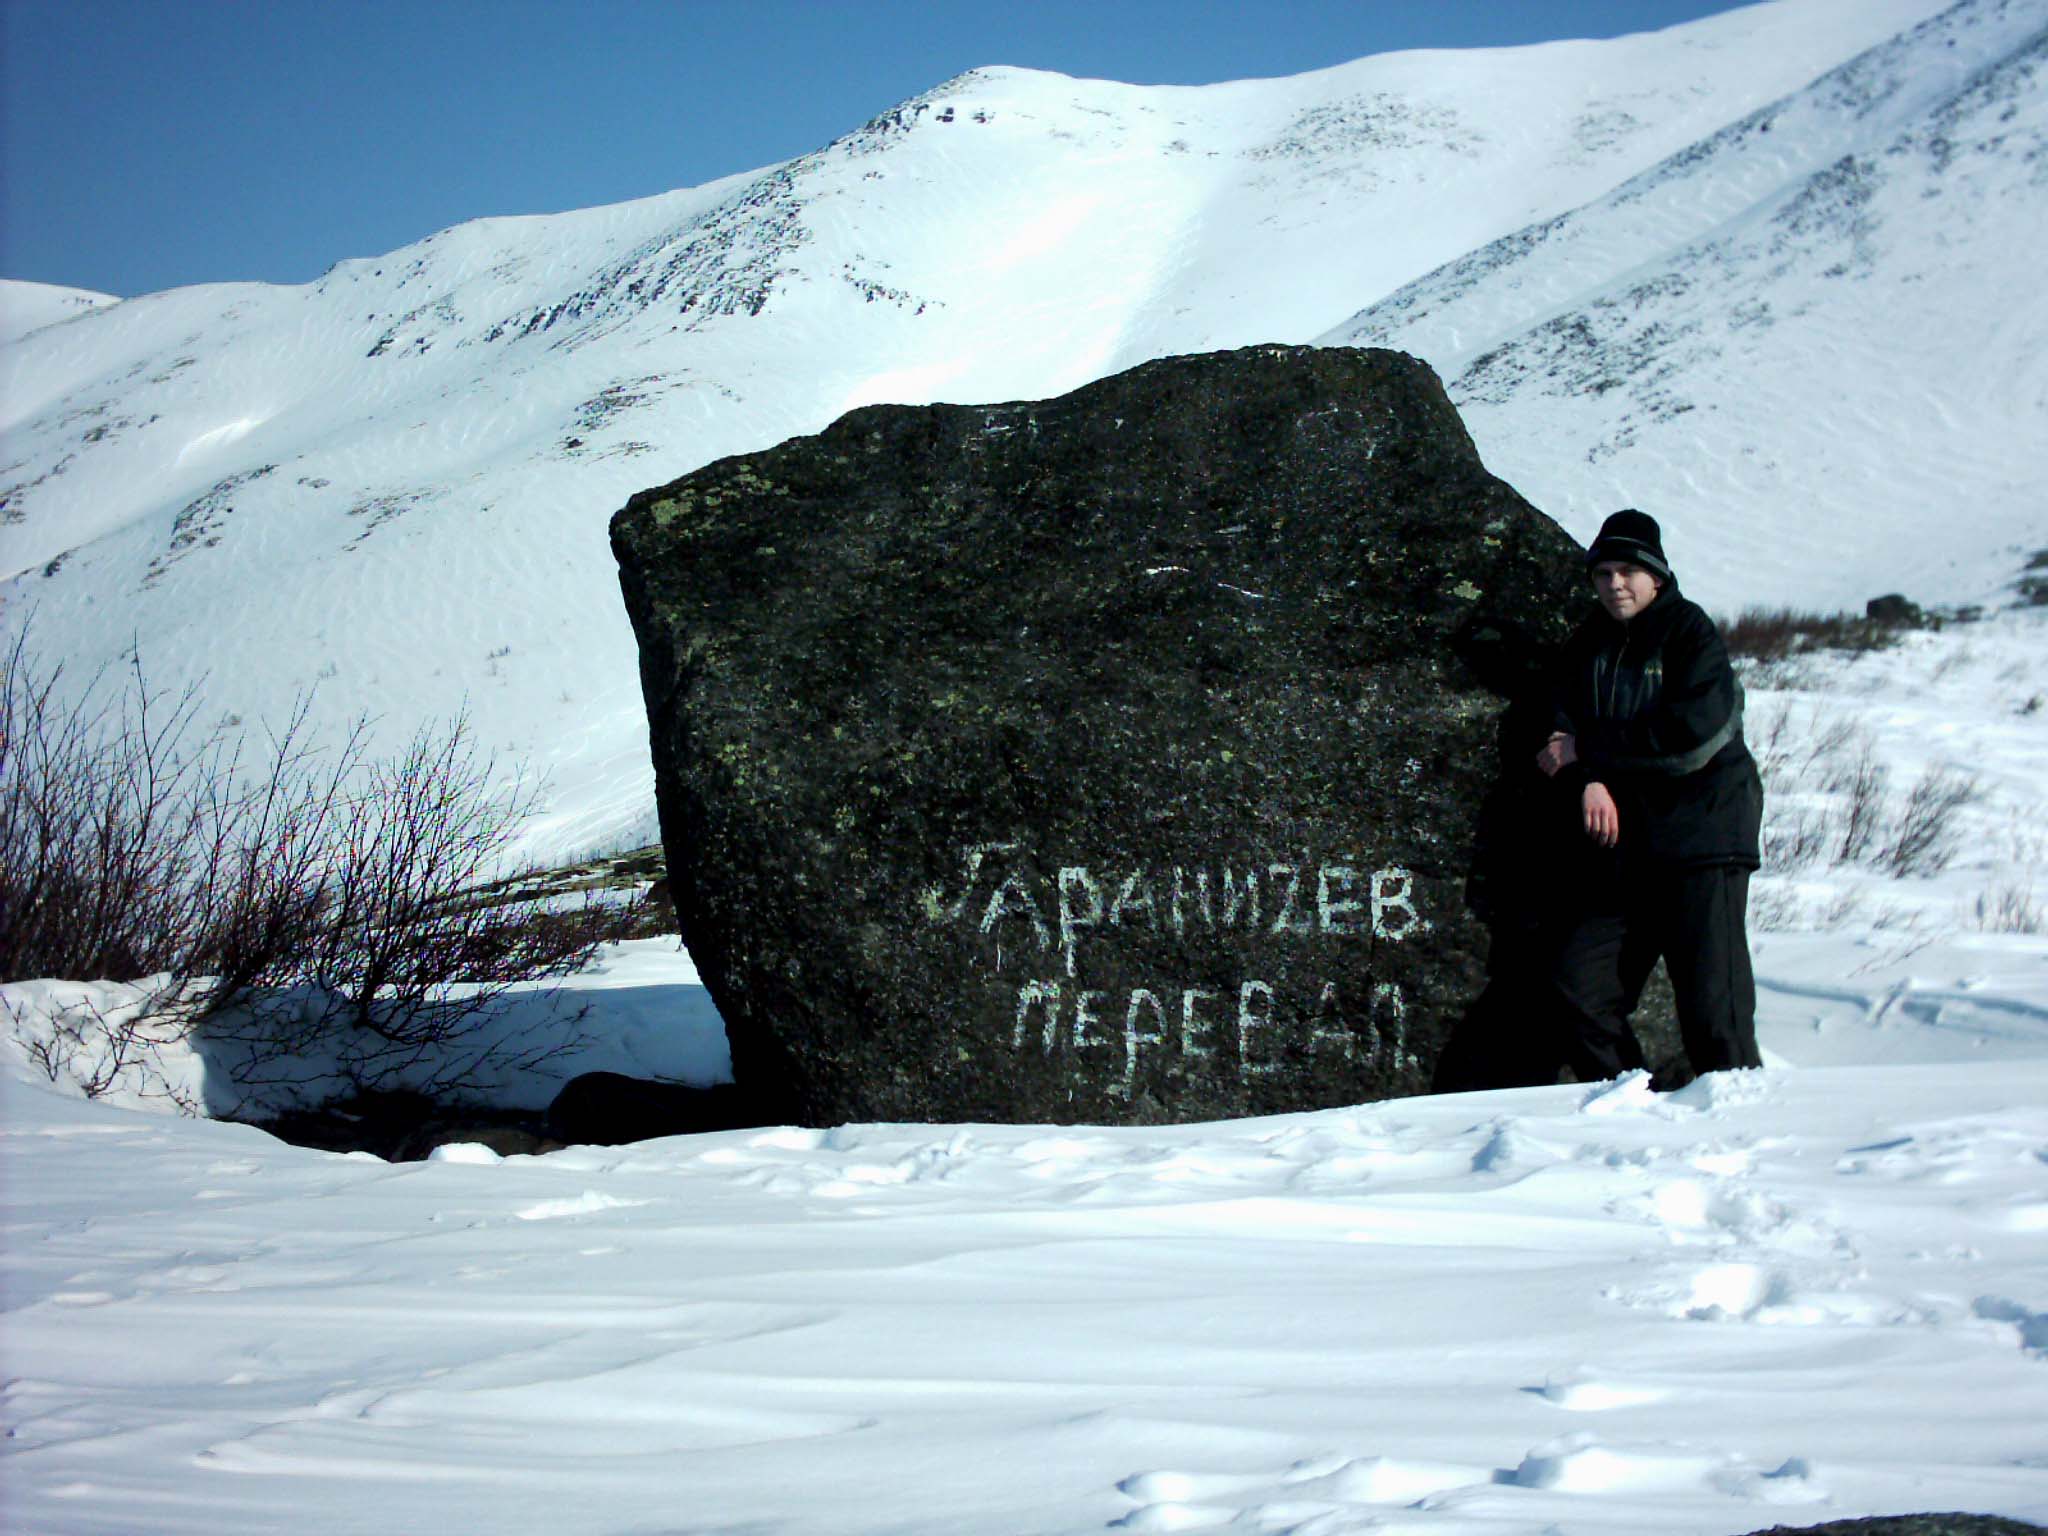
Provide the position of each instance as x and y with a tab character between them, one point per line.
609	1109
1910	1525
401	1126
1106	758
1895	610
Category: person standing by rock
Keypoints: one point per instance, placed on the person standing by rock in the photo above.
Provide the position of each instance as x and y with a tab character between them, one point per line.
1535	878
1648	730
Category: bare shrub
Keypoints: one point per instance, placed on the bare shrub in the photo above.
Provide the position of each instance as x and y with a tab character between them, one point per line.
268	893
97	1052
1832	737
1860	785
1772	908
1927	836
289	899
1794	754
386	960
1774	634
1795	839
403	953
2010	908
1769	737
103	824
1844	907
1824	789
1828	800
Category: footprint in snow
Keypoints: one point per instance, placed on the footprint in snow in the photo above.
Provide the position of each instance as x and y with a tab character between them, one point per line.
1631	1094
1581	1463
2031	1326
575	1205
1733	1291
790	1138
1510	1149
2030	1217
1726	1090
1587	1391
1772	1296
1935	1159
1324	1487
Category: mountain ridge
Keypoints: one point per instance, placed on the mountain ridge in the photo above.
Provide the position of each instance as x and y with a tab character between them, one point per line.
1652	323
391	484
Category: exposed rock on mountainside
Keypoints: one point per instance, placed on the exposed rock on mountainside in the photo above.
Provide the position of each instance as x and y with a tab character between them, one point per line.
1954	1524
1722	326
1107	758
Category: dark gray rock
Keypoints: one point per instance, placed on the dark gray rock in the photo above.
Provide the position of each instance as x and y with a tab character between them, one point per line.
1895	610
2033	585
402	1126
1910	1525
608	1109
507	1140
1108	758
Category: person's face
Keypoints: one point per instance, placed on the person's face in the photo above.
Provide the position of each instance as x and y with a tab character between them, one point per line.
1624	588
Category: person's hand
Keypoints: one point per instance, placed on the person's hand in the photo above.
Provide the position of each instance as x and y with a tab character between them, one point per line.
1562	748
1603	820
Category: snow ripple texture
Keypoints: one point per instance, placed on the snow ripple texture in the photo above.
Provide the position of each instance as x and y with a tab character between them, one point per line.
1791	1291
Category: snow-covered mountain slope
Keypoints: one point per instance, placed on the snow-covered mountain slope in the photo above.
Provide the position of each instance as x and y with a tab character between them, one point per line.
393	483
1774	1298
1822	327
26	307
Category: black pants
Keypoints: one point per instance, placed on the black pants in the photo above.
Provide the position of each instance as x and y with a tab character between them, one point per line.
1516	1032
1695	919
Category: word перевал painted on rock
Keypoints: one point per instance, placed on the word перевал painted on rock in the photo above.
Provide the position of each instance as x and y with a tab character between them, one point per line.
1057	917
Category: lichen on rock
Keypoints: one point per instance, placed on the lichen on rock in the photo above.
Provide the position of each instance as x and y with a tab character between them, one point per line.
1106	758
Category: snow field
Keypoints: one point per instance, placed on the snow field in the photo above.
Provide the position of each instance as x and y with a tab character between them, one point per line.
1589	1307
1965	702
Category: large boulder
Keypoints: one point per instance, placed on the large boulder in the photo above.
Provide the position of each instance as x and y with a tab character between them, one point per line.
609	1109
1108	758
1952	1524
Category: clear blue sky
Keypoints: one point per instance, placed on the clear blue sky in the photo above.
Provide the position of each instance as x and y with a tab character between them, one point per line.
146	144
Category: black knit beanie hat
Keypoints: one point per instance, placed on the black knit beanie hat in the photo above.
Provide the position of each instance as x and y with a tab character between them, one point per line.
1632	536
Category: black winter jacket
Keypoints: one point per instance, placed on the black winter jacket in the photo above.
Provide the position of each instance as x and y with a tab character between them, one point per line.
1657	713
1534	870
